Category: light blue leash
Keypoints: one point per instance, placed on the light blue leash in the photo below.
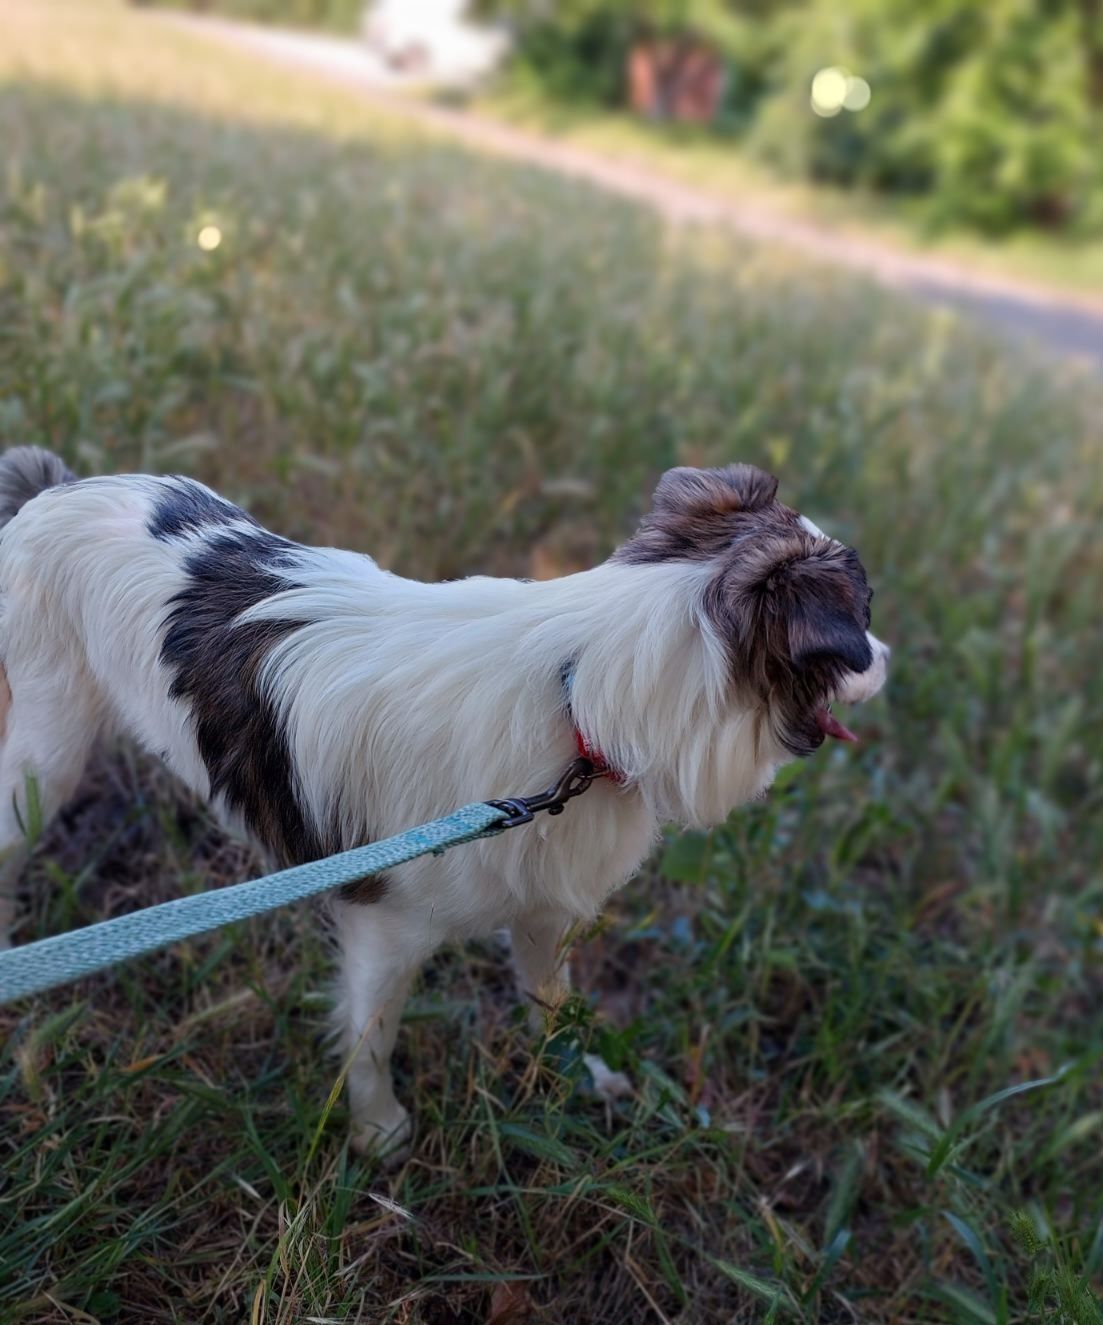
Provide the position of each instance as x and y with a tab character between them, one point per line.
65	957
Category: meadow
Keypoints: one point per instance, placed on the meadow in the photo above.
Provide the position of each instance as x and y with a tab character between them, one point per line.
864	1020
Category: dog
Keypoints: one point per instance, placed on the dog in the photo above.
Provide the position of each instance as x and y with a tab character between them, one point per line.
319	702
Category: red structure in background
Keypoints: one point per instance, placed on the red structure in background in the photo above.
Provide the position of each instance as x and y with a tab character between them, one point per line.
676	79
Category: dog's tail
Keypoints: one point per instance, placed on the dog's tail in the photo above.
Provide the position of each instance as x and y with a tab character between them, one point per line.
25	471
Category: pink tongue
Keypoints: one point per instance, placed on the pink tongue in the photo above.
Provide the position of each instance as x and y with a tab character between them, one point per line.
831	726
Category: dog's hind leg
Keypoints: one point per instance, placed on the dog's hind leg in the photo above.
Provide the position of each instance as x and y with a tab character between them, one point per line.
378	964
51	716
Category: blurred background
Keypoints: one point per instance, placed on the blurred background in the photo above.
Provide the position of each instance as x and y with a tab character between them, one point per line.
987	111
981	113
453	288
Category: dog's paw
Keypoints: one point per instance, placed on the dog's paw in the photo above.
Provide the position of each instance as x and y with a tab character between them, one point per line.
609	1086
386	1138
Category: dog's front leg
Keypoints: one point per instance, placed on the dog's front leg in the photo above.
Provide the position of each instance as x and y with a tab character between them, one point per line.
539	944
378	963
537	941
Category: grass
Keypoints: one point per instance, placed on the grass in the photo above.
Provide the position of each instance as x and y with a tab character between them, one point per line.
863	1020
691	155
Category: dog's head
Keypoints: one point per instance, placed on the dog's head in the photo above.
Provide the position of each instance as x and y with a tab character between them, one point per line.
790	606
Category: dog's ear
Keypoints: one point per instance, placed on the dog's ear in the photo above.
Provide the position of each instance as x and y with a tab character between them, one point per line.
819	605
792	610
703	492
695	513
795	611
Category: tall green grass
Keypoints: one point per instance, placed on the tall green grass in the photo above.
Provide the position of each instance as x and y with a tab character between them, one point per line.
863	1020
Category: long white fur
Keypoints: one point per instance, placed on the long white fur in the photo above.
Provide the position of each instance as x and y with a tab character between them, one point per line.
401	701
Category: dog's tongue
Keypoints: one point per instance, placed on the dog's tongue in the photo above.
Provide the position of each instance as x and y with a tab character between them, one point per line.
830	725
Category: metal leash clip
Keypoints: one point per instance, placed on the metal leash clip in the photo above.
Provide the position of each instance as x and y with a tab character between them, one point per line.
576	779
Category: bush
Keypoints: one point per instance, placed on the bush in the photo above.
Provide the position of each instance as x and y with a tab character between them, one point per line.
1016	132
578	49
988	109
985	109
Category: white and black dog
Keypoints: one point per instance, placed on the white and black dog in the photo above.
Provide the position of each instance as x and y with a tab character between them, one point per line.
320	702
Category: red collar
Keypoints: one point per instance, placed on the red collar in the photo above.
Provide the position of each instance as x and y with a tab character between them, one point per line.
602	767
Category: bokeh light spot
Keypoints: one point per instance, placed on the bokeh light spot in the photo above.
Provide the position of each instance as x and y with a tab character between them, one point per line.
209	238
858	94
835	89
829	88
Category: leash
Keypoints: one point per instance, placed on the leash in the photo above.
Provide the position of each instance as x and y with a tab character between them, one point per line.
65	957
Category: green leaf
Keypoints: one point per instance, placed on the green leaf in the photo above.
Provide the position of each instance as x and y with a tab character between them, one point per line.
769	1292
947	1144
991	1101
843	1193
669	1269
911	1113
966	1301
971	1238
31	825
686	858
831	1255
539	1144
1069	1135
666	1084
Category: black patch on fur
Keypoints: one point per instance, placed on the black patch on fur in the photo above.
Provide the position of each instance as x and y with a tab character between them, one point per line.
216	660
791	606
364	892
185	507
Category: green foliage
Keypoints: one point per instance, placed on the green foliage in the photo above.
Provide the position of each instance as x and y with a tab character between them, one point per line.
1059	1288
983	108
578	49
1016	137
989	109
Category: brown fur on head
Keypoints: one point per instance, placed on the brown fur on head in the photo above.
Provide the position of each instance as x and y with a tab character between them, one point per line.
790	604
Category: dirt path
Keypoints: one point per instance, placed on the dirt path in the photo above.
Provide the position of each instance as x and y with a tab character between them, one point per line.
1066	323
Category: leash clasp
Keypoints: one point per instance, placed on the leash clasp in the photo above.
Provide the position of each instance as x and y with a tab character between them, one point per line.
576	779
